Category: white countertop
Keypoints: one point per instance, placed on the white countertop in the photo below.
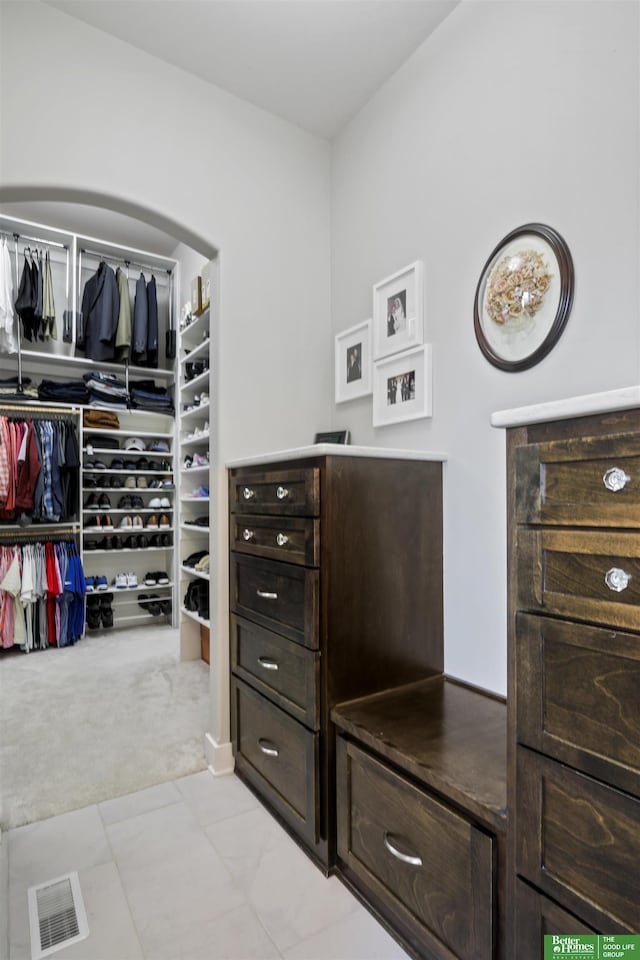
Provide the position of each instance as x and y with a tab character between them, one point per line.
334	450
589	403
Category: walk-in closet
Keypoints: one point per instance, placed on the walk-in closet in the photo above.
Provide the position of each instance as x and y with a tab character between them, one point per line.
106	427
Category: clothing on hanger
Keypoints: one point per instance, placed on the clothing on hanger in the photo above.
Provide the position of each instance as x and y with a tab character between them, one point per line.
49	328
123	334
27	299
140	323
8	339
152	324
98	320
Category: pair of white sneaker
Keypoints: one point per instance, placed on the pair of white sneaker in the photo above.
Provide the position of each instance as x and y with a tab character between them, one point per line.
124	581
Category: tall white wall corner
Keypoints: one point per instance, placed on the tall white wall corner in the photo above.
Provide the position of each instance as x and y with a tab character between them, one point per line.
219	756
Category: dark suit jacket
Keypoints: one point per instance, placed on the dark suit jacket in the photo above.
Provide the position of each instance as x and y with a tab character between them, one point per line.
98	322
152	324
140	323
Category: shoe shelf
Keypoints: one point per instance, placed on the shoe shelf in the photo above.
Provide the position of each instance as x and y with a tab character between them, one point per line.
131	491
118	552
200	469
195	411
139	618
190	572
144	434
194	616
202	380
196	326
129	473
199	351
195	528
127	530
187	499
141	586
194	441
92	511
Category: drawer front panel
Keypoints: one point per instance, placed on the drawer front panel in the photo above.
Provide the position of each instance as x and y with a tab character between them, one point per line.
589	576
279	596
428	863
591	482
537	917
578	697
579	842
278	754
282	492
284	671
292	539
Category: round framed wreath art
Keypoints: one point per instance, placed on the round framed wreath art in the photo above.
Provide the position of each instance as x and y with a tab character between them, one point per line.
524	297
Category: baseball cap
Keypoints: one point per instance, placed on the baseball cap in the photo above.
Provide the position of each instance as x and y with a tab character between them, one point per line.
134	443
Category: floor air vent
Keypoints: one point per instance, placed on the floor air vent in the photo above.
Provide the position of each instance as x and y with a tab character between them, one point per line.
57	916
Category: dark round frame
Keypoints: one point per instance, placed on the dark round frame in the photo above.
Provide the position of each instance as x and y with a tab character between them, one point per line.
565	265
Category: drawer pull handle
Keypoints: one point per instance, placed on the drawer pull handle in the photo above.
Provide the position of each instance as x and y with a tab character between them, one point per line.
247	534
248	493
268	749
615	479
405	857
266	595
617	579
267	664
282	493
282	539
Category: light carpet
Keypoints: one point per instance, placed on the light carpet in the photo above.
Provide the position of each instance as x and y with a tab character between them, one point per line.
114	714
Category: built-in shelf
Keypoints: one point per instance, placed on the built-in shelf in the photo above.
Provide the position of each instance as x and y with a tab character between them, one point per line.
194	441
194	573
197	326
131	491
63	360
200	380
92	511
187	499
129	473
112	552
185	470
141	587
154	434
194	616
109	451
195	528
132	618
131	531
198	351
197	411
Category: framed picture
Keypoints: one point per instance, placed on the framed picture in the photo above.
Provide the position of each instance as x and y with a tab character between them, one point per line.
397	312
402	387
524	297
353	362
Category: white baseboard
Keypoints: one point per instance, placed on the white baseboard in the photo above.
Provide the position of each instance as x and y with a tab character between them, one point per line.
219	756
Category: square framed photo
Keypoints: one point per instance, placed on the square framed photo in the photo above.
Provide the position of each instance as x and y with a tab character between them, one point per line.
397	311
353	362
402	387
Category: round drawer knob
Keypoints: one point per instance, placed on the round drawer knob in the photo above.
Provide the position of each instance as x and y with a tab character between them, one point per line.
248	534
617	579
248	493
282	493
282	539
615	479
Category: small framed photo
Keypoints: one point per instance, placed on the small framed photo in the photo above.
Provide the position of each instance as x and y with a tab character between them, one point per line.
353	362
402	387
397	312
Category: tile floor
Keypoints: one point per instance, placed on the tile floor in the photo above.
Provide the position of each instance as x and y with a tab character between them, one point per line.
194	869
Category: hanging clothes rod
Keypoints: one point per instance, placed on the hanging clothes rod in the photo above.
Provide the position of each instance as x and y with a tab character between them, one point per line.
8	408
46	243
126	260
43	534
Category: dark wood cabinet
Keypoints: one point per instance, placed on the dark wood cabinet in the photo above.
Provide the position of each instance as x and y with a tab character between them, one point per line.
335	593
574	672
421	815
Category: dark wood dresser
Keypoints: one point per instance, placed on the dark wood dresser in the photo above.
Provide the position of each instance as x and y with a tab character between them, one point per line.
574	678
335	593
422	815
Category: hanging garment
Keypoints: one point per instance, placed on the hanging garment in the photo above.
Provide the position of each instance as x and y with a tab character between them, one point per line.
123	334
49	328
29	467
12	584
140	323
39	295
152	323
98	321
8	339
27	298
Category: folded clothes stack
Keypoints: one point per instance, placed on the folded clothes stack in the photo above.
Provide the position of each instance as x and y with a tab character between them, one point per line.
63	391
101	419
106	390
9	389
145	395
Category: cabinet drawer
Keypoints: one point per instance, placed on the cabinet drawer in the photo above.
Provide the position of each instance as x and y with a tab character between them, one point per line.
293	539
587	482
578	697
578	841
279	596
282	492
429	867
279	756
279	668
537	917
582	574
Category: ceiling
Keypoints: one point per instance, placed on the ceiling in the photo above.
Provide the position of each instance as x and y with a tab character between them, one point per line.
312	62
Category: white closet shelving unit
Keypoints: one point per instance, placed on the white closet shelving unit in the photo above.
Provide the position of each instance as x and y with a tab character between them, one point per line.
193	415
74	258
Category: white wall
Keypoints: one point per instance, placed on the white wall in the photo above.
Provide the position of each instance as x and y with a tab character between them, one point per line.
509	113
106	119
